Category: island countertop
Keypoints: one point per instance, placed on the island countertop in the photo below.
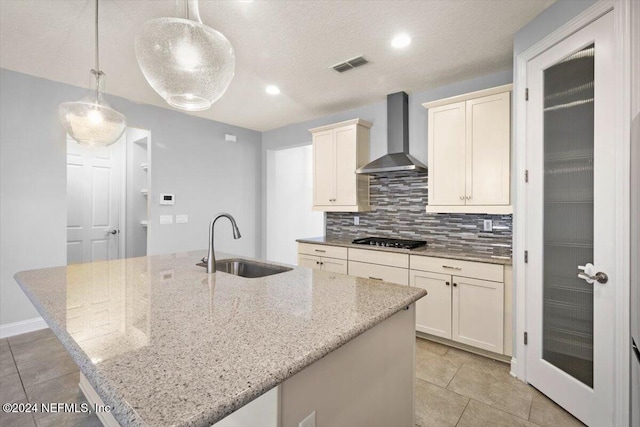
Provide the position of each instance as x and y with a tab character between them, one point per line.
164	343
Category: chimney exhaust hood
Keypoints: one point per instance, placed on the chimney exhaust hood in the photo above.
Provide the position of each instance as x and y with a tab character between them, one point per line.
398	158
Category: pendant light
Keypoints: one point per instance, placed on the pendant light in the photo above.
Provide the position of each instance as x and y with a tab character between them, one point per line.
91	121
189	64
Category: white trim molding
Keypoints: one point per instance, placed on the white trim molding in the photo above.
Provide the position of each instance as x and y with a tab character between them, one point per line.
22	327
621	143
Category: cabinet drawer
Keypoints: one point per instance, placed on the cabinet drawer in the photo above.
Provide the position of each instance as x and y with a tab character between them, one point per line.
479	270
322	250
379	257
382	272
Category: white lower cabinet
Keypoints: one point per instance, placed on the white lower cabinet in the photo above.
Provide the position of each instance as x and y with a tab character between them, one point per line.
379	272
433	312
477	316
333	265
468	310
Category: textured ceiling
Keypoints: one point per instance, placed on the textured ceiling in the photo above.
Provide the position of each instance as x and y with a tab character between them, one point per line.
291	44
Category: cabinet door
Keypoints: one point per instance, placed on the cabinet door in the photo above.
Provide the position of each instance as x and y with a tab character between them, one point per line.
309	261
447	154
487	154
323	168
334	265
379	272
345	169
433	311
478	313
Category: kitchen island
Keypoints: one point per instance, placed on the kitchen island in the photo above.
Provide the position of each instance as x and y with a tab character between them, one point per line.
164	343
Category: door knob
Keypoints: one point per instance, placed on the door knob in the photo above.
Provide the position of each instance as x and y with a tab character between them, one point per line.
114	231
590	276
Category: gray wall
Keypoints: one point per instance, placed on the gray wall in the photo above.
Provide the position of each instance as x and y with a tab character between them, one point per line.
189	158
298	133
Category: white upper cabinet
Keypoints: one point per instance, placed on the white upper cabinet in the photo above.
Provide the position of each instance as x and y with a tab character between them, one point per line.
469	152
338	150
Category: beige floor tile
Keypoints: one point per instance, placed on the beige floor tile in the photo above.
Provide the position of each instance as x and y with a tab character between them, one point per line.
40	370
4	346
61	389
7	365
434	368
16	419
436	406
69	419
459	357
431	346
44	348
31	336
490	386
11	389
480	415
546	413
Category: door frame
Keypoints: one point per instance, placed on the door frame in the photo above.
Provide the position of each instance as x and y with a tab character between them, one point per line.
622	71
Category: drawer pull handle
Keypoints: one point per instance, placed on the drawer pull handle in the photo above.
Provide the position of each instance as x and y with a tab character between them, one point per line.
319	250
374	278
451	268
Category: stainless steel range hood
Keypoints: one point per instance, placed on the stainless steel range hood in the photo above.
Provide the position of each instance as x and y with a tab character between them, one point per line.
398	158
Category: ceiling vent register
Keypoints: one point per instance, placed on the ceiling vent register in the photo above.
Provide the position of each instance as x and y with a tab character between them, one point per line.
350	64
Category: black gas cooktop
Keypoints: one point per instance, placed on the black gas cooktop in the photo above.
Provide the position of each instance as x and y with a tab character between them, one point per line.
390	243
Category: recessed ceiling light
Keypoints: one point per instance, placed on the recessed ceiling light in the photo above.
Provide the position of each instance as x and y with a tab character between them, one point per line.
401	40
272	90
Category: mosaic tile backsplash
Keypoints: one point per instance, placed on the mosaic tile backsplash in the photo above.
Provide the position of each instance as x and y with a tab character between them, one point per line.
398	203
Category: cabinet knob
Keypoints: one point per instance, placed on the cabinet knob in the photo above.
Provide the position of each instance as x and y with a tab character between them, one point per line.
455	284
461	197
446	283
468	197
318	262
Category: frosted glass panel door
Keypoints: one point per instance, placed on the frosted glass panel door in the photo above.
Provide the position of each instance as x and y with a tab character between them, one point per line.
568	214
571	223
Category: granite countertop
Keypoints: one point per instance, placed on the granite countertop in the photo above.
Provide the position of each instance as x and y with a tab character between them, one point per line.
164	343
424	251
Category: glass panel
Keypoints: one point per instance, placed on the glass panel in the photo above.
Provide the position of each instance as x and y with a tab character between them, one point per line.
568	214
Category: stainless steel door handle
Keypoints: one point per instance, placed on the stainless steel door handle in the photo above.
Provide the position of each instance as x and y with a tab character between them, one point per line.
589	276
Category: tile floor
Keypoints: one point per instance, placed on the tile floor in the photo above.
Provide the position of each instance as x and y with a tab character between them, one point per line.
453	387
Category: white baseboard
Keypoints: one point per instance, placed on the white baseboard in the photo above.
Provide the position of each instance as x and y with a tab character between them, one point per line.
22	327
514	367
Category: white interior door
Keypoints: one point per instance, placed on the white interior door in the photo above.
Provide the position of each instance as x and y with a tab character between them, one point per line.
93	202
571	222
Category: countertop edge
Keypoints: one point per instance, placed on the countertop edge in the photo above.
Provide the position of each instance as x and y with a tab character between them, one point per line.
84	364
435	253
127	416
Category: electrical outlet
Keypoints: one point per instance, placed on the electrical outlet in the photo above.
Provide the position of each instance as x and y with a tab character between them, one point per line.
182	219
166	219
356	220
310	421
487	225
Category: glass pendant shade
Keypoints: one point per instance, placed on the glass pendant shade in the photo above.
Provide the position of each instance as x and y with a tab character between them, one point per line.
189	64
91	121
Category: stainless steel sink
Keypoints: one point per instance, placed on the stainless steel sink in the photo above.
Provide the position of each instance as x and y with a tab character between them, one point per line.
246	268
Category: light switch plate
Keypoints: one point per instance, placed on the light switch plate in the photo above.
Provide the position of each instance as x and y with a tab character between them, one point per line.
182	219
166	219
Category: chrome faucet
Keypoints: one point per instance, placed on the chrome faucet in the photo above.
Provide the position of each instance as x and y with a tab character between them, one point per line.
211	258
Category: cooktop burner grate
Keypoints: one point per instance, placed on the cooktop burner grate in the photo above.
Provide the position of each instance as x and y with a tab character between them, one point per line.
390	243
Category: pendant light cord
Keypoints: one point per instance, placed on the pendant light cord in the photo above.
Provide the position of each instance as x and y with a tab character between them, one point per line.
97	45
